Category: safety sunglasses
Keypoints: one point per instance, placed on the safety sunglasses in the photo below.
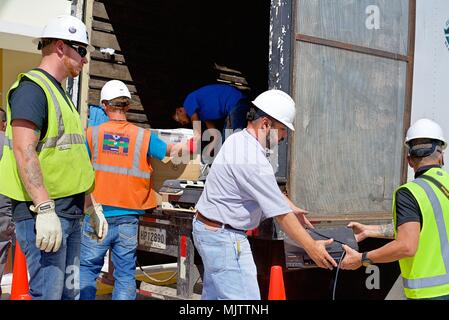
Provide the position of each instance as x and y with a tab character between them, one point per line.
82	51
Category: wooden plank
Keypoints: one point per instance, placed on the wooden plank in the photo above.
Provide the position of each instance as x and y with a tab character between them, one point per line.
136	117
226	69
110	70
94	98
116	58
84	76
233	79
105	40
100	11
98	84
102	26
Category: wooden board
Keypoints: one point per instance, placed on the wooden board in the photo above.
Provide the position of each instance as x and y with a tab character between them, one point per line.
105	40
116	58
110	70
99	10
98	84
94	98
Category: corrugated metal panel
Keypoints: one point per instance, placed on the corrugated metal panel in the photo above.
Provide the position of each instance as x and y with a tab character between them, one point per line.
348	139
351	88
347	20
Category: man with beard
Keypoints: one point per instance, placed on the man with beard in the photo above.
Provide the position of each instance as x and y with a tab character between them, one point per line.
240	192
45	168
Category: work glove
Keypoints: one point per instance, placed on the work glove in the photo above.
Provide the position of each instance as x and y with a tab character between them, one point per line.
48	226
98	223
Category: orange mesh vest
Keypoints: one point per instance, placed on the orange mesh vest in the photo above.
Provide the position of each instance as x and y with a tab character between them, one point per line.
122	172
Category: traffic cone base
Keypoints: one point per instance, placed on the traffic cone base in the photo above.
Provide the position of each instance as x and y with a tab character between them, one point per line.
276	290
19	288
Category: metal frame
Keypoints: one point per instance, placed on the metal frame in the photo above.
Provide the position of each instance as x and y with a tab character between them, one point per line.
409	80
179	244
280	66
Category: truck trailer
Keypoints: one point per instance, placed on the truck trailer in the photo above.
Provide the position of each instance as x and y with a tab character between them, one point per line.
360	72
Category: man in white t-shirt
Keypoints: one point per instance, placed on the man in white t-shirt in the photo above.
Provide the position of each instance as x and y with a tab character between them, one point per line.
240	192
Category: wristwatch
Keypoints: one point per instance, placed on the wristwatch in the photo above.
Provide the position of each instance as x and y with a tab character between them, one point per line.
365	260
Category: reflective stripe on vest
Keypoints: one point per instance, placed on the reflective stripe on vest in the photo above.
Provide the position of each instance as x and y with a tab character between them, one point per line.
438	213
62	141
134	170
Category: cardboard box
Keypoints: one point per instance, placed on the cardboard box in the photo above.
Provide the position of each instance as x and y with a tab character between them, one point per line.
167	169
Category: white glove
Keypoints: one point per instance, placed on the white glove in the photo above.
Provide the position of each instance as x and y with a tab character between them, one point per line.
98	222
48	226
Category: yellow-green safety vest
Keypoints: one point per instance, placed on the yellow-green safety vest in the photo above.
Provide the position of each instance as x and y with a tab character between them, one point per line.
426	274
62	153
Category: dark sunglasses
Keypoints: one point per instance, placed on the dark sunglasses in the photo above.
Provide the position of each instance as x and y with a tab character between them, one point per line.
82	51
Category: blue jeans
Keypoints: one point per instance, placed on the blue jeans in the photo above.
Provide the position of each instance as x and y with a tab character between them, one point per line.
236	119
53	275
229	268
122	240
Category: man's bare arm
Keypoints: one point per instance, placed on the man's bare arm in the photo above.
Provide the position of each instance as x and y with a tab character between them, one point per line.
25	139
363	231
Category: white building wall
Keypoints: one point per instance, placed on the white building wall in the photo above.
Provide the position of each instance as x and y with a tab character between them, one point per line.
22	20
431	69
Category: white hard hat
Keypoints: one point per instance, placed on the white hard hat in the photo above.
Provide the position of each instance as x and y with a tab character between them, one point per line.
66	27
114	89
278	105
425	128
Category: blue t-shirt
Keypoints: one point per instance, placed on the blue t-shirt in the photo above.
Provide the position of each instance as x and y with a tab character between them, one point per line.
97	116
157	149
212	102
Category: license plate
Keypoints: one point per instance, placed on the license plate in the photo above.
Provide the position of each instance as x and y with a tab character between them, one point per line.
152	237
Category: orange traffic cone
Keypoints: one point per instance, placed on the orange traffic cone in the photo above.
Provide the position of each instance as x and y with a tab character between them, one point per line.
276	290
19	288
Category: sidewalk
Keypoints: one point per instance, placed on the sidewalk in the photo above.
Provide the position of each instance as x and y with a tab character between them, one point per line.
6	286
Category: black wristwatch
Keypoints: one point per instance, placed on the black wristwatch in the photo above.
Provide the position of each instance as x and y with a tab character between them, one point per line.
365	261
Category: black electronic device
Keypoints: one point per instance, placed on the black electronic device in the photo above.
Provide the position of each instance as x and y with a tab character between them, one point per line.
297	258
181	195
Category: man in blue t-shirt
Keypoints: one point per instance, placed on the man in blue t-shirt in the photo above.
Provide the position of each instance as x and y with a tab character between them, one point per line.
217	106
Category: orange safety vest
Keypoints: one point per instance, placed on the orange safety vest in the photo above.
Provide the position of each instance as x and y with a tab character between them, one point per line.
122	171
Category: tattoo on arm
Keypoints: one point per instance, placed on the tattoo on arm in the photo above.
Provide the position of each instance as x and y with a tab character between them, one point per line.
32	168
387	231
31	172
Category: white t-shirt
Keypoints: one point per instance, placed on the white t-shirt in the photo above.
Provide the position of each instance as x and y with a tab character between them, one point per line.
241	189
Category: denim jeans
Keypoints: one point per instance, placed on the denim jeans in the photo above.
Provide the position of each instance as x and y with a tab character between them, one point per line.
122	241
53	275
229	268
236	119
